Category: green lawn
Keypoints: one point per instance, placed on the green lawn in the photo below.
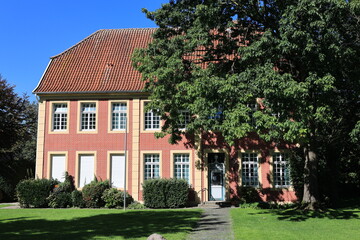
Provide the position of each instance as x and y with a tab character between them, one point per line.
294	224
95	223
4	205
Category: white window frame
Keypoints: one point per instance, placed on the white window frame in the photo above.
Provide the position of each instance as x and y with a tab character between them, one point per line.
80	117
60	117
281	166
153	119
50	163
152	165
121	115
182	165
78	167
247	168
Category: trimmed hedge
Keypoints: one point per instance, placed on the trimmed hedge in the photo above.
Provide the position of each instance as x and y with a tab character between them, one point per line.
114	198
93	192
34	192
165	193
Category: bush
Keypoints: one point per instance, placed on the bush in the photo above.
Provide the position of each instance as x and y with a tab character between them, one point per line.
77	199
34	192
114	198
61	195
60	200
248	195
136	205
165	193
93	192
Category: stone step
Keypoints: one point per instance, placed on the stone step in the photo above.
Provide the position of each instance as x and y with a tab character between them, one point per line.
214	204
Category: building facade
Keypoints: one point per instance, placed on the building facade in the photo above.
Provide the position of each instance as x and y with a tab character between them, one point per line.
92	122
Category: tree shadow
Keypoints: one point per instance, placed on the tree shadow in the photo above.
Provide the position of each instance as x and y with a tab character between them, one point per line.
132	224
298	215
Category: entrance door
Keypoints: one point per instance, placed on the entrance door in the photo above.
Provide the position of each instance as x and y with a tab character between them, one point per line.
216	176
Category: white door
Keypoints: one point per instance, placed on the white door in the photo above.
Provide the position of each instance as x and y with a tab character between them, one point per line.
86	166
58	167
117	171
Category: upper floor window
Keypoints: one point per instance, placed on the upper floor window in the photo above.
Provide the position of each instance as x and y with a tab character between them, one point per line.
152	166
281	170
152	121
253	108
249	169
185	119
181	166
60	117
88	116
119	114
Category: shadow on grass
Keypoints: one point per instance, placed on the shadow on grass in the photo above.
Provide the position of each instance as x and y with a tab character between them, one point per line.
134	224
297	215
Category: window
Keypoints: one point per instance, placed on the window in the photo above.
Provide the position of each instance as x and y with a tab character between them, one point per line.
152	166
185	119
281	170
119	113
88	117
152	121
60	115
253	108
249	169
117	170
86	169
57	167
181	166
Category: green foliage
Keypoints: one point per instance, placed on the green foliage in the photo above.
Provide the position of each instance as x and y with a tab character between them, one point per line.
6	190
165	193
77	199
34	192
136	205
300	57
248	194
114	198
61	195
93	192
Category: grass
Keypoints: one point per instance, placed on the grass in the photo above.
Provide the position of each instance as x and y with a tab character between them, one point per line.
4	205
295	224
95	223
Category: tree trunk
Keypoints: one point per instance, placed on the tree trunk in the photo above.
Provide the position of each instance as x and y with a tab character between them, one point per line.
311	188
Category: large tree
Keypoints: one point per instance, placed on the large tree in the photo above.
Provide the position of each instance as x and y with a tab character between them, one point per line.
214	57
18	120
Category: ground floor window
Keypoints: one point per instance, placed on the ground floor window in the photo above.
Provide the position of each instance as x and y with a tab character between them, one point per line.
181	166
281	170
117	170
86	169
152	166
249	169
58	167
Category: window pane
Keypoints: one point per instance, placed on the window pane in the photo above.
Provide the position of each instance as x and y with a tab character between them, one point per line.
249	169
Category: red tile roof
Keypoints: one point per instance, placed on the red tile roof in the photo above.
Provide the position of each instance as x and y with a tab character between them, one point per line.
99	63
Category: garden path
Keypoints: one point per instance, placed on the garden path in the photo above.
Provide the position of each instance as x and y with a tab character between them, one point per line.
215	224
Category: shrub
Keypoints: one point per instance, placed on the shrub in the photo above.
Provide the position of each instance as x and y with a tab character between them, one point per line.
248	195
77	199
136	205
34	192
93	192
114	198
60	200
61	195
165	193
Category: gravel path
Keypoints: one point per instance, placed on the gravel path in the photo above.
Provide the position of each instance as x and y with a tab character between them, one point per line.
215	224
14	205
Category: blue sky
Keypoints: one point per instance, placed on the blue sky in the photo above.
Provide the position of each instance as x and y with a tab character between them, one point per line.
33	31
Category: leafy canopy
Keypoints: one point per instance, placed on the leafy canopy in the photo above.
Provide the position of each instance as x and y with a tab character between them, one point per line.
299	59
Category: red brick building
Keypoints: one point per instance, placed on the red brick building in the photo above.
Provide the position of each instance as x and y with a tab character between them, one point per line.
85	96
